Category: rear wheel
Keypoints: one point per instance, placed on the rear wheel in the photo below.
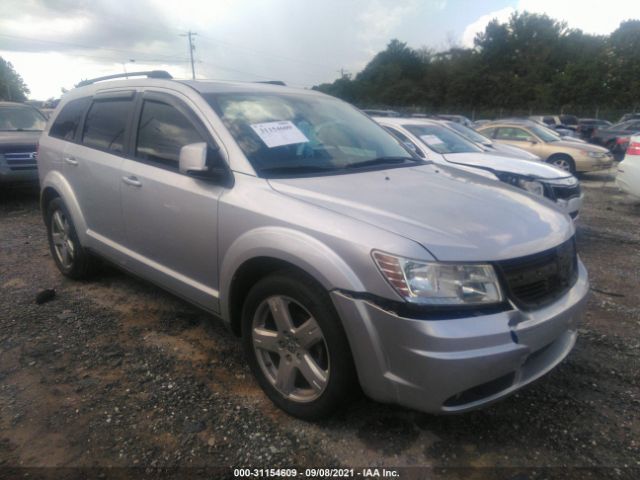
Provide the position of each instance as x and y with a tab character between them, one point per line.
71	259
296	347
565	162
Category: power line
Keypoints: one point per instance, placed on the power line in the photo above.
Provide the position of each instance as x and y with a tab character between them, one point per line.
192	47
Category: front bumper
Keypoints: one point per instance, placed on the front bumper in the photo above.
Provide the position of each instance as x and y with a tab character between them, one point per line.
454	365
571	206
585	163
10	174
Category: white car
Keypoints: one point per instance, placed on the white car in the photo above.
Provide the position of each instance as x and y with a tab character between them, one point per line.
431	140
628	176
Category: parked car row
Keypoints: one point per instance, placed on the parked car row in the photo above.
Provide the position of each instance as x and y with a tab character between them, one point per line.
434	274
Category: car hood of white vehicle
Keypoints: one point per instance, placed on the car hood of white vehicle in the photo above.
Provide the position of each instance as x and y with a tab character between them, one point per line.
500	163
455	215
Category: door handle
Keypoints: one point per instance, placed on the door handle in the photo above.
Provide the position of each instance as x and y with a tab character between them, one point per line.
71	161
133	181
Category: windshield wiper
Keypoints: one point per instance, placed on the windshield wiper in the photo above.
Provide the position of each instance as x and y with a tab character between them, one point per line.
384	161
296	169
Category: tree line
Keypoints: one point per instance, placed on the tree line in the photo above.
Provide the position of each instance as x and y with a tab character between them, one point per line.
527	65
12	87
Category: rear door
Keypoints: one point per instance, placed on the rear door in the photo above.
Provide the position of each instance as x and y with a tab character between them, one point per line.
93	166
170	218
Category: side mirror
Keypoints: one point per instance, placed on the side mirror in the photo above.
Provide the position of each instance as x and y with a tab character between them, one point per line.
193	159
532	140
200	161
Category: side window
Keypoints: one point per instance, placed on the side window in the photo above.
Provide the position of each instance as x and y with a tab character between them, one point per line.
162	132
106	124
510	133
68	120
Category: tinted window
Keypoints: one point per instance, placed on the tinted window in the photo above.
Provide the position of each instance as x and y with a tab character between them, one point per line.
162	132
442	140
106	124
66	124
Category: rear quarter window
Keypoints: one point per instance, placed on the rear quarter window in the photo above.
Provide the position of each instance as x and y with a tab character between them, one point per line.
66	124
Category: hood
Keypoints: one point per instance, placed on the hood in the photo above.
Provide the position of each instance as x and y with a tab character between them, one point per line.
18	138
455	215
511	151
505	164
584	147
568	138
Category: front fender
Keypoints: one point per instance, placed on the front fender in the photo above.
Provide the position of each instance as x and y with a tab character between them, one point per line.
55	180
292	246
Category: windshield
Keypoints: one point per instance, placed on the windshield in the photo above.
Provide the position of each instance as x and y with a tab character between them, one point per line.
302	134
18	119
442	140
469	133
544	133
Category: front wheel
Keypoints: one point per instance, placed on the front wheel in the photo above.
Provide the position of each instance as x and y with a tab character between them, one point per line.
565	162
296	346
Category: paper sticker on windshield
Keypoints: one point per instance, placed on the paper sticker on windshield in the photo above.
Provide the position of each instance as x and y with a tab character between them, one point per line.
431	139
277	134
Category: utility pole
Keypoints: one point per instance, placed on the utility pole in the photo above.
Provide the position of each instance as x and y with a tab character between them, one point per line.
192	47
344	73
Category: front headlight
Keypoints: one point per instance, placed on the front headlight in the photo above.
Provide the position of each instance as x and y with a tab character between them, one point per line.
595	154
432	283
532	186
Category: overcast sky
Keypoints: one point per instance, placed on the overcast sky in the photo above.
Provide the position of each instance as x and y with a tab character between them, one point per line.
56	43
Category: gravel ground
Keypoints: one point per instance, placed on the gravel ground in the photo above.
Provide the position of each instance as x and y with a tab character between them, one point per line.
118	373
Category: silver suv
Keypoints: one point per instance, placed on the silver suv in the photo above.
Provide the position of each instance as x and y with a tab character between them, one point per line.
337	256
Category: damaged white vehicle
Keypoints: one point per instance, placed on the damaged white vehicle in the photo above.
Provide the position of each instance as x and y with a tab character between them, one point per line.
433	141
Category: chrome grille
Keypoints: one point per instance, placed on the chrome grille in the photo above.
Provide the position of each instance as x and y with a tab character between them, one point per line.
23	157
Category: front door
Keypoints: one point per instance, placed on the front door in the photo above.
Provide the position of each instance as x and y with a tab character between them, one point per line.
170	219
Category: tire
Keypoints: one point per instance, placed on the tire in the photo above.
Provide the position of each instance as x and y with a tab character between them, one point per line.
565	162
317	376
70	257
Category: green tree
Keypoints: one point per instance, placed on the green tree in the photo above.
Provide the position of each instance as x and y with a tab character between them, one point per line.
531	63
12	87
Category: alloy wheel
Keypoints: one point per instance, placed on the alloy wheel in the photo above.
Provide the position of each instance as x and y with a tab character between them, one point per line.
290	349
563	164
60	235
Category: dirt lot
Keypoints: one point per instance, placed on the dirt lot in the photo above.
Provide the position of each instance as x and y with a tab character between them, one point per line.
117	373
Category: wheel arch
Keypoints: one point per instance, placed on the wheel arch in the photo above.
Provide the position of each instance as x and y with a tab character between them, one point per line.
54	185
564	155
264	251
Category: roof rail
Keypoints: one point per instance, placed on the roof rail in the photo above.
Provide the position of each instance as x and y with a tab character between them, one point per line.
148	74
